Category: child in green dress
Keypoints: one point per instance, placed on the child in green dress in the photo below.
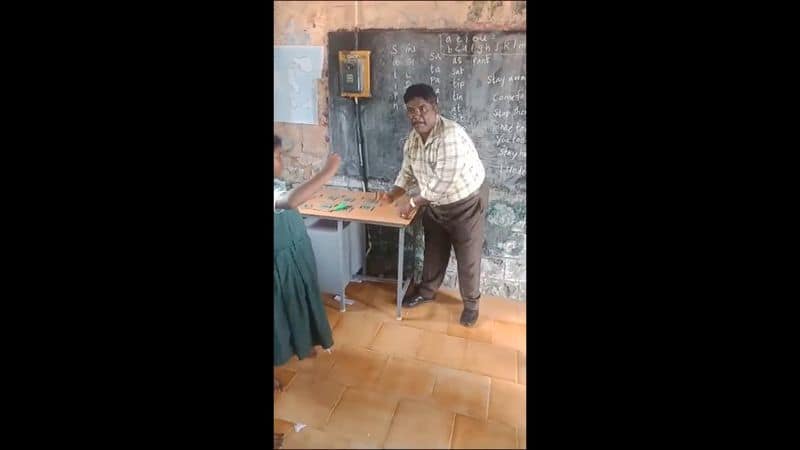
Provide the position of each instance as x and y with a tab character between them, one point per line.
300	319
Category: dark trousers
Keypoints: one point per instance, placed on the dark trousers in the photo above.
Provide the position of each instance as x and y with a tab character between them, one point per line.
460	226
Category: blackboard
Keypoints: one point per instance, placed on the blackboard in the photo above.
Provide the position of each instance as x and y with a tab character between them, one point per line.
481	82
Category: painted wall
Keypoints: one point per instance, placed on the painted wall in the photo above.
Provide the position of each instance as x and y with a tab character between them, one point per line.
308	23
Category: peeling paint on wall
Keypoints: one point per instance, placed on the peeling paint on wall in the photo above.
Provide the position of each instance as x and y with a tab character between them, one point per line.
495	4
519	8
475	10
292	36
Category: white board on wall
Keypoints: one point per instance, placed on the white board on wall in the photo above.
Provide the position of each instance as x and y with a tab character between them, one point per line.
297	69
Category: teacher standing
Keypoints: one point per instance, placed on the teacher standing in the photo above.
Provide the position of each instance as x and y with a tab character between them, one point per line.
444	175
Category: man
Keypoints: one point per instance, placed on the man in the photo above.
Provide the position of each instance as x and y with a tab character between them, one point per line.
441	163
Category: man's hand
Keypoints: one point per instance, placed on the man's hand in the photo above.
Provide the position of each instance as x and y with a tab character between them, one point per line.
404	208
392	195
386	197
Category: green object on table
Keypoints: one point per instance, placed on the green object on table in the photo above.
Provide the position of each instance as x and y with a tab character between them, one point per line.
340	207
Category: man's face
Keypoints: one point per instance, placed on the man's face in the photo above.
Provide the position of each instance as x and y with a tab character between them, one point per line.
277	161
422	115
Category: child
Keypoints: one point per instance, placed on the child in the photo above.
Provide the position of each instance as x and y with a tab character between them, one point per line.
300	319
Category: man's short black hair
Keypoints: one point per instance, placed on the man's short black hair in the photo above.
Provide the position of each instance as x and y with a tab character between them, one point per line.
278	142
422	91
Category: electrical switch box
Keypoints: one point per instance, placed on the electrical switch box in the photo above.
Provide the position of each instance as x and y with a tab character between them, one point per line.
354	73
351	76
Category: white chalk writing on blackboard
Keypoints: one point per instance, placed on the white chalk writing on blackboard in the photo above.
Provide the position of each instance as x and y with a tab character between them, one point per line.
480	78
512	170
481	44
515	97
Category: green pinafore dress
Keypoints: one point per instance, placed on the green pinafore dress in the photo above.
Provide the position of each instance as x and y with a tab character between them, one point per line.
300	319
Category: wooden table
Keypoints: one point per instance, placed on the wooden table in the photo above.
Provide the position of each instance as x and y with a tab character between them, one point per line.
367	209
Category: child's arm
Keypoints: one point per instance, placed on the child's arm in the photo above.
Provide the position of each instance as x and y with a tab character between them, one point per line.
302	193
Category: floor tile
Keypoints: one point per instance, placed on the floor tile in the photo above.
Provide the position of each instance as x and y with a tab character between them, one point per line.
482	331
357	366
373	294
319	366
357	328
507	403
387	305
363	416
282	427
492	360
367	292
462	392
418	425
424	382
285	377
511	335
429	316
442	349
408	378
387	314
333	316
452	302
356	303
310	437
306	401
502	309
394	339
474	433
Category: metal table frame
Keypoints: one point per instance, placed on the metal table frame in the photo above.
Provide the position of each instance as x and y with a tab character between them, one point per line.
402	284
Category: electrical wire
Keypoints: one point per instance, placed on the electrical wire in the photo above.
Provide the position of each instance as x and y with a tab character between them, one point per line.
360	145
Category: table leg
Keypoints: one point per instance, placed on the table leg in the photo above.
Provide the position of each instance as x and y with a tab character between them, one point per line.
340	234
400	252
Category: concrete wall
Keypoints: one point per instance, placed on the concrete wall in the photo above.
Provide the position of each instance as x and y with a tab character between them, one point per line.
309	22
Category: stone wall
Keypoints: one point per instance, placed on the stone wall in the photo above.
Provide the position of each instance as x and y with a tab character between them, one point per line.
308	23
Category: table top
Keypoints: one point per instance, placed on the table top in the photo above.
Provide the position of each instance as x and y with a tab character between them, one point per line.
363	207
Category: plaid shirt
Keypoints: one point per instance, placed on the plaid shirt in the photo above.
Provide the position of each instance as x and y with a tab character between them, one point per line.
446	168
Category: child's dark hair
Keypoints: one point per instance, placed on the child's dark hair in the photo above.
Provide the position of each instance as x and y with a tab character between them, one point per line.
278	142
422	91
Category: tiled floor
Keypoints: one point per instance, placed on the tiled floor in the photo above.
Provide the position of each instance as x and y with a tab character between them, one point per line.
423	382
